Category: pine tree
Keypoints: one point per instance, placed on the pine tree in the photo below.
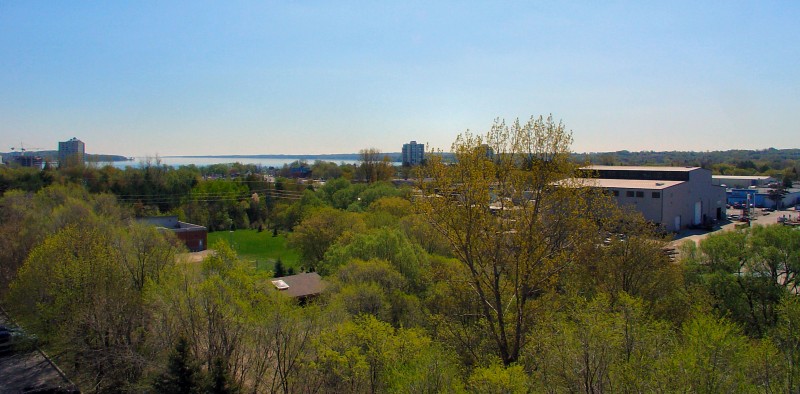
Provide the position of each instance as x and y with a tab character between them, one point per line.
183	376
280	271
220	382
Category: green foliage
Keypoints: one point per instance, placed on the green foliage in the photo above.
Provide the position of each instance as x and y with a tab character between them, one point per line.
498	379
320	229
81	292
297	211
211	306
251	245
386	244
713	357
511	219
748	272
376	288
366	355
631	260
786	337
592	346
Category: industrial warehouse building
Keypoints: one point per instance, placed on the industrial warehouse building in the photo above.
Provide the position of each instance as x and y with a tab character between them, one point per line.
673	197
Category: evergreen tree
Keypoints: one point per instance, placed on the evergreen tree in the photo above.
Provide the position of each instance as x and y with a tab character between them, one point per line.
220	382
182	375
279	270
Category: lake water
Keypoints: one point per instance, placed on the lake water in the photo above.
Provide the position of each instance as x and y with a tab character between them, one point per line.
205	161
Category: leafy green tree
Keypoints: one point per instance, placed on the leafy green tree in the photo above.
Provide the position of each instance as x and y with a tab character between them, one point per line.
712	357
383	243
373	166
369	356
777	194
375	287
511	219
787	338
631	261
748	272
498	379
293	214
85	305
319	230
282	335
395	206
325	170
594	346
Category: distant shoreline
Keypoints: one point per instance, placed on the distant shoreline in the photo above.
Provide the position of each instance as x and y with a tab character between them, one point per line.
327	156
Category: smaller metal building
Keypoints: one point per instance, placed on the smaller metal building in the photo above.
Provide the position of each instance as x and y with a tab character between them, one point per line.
741	181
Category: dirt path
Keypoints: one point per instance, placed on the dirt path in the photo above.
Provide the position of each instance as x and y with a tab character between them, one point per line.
196	257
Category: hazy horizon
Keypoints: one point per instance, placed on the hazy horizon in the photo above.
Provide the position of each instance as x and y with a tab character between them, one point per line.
244	78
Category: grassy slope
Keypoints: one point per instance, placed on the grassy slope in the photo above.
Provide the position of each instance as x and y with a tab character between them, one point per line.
261	247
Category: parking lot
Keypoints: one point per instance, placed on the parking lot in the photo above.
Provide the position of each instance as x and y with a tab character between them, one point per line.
759	217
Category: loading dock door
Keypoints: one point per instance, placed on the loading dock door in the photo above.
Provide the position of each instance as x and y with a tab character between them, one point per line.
698	212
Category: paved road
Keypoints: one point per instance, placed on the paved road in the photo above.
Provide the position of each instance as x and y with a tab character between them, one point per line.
760	217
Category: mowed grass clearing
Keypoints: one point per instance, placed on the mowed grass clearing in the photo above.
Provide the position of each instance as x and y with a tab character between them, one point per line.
259	247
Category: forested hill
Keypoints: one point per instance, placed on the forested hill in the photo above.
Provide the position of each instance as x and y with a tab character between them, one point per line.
731	162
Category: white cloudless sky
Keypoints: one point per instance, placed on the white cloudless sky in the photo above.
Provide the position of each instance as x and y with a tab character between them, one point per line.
306	77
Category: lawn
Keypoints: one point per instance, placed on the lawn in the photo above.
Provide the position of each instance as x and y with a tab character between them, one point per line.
259	247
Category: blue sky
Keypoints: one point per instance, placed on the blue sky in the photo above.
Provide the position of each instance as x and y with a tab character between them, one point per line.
155	77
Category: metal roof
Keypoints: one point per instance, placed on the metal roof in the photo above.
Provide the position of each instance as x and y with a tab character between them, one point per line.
623	183
743	177
641	168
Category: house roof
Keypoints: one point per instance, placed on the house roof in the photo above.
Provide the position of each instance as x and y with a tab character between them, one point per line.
171	223
300	285
623	183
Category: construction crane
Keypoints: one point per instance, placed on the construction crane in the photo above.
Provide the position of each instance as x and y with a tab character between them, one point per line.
18	155
22	149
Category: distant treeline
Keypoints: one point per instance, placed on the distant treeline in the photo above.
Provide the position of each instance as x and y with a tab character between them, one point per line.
780	163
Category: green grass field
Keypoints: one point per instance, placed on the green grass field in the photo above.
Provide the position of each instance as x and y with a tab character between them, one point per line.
261	248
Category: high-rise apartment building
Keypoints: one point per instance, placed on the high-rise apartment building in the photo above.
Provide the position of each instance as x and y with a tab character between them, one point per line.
413	153
71	152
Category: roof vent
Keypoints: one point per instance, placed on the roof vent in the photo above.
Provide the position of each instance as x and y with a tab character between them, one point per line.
659	183
280	284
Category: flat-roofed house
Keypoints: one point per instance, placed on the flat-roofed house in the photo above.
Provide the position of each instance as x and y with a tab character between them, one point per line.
673	197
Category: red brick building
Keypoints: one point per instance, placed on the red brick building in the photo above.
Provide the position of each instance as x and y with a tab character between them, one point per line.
193	236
